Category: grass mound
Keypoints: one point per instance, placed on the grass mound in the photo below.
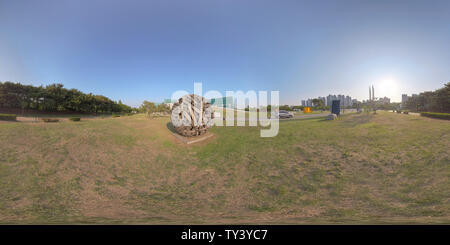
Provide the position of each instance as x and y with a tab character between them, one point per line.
8	117
47	120
436	115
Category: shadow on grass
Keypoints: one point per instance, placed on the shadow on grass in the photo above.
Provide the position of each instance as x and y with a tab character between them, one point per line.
170	126
324	120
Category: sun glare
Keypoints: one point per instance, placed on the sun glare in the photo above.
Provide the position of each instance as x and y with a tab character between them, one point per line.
386	87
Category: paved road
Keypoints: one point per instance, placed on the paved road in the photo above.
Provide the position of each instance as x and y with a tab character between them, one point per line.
301	116
310	115
326	113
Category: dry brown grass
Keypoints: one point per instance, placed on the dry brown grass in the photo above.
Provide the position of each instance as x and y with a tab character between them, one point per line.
360	169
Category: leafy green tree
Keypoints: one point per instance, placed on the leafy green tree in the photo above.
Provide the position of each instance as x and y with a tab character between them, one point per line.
55	97
436	101
162	108
285	107
147	107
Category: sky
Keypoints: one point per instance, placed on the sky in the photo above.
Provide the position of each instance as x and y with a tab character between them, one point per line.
146	50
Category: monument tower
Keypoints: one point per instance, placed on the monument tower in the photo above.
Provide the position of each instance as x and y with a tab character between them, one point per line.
373	93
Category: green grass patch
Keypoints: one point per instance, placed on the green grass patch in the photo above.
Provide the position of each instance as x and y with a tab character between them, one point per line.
8	117
75	119
49	120
445	116
363	168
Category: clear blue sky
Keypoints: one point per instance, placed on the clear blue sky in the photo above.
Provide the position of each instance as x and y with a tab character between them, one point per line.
136	50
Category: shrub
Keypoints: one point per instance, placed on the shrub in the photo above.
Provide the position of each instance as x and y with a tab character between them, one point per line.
50	119
399	111
8	117
115	115
75	119
405	112
436	115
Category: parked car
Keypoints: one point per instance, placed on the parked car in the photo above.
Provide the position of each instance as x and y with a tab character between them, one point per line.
285	114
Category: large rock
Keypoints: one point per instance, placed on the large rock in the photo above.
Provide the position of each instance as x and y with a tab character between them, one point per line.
192	115
331	117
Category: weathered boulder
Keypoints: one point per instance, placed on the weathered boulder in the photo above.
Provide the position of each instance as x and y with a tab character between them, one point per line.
192	115
331	117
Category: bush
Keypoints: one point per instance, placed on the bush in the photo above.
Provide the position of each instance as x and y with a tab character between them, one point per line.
115	115
8	117
405	112
436	115
50	120
75	119
399	111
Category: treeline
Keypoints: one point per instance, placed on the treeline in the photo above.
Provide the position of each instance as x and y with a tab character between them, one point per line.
436	101
384	106
55	97
150	107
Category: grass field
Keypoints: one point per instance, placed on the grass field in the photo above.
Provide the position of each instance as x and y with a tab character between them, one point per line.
363	168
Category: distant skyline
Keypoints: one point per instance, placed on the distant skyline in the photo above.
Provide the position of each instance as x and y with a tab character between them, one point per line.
146	50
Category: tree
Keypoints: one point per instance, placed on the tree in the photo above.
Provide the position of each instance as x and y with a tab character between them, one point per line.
147	107
317	103
285	107
55	97
163	108
436	101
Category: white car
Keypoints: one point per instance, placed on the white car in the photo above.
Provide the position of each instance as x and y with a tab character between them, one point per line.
283	114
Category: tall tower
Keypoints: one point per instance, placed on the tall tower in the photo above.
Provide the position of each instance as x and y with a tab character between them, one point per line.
370	94
373	93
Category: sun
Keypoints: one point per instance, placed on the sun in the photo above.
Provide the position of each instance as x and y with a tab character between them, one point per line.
386	87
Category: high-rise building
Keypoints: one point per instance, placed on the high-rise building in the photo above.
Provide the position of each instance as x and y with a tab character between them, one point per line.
404	98
328	100
384	100
308	102
341	98
348	101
